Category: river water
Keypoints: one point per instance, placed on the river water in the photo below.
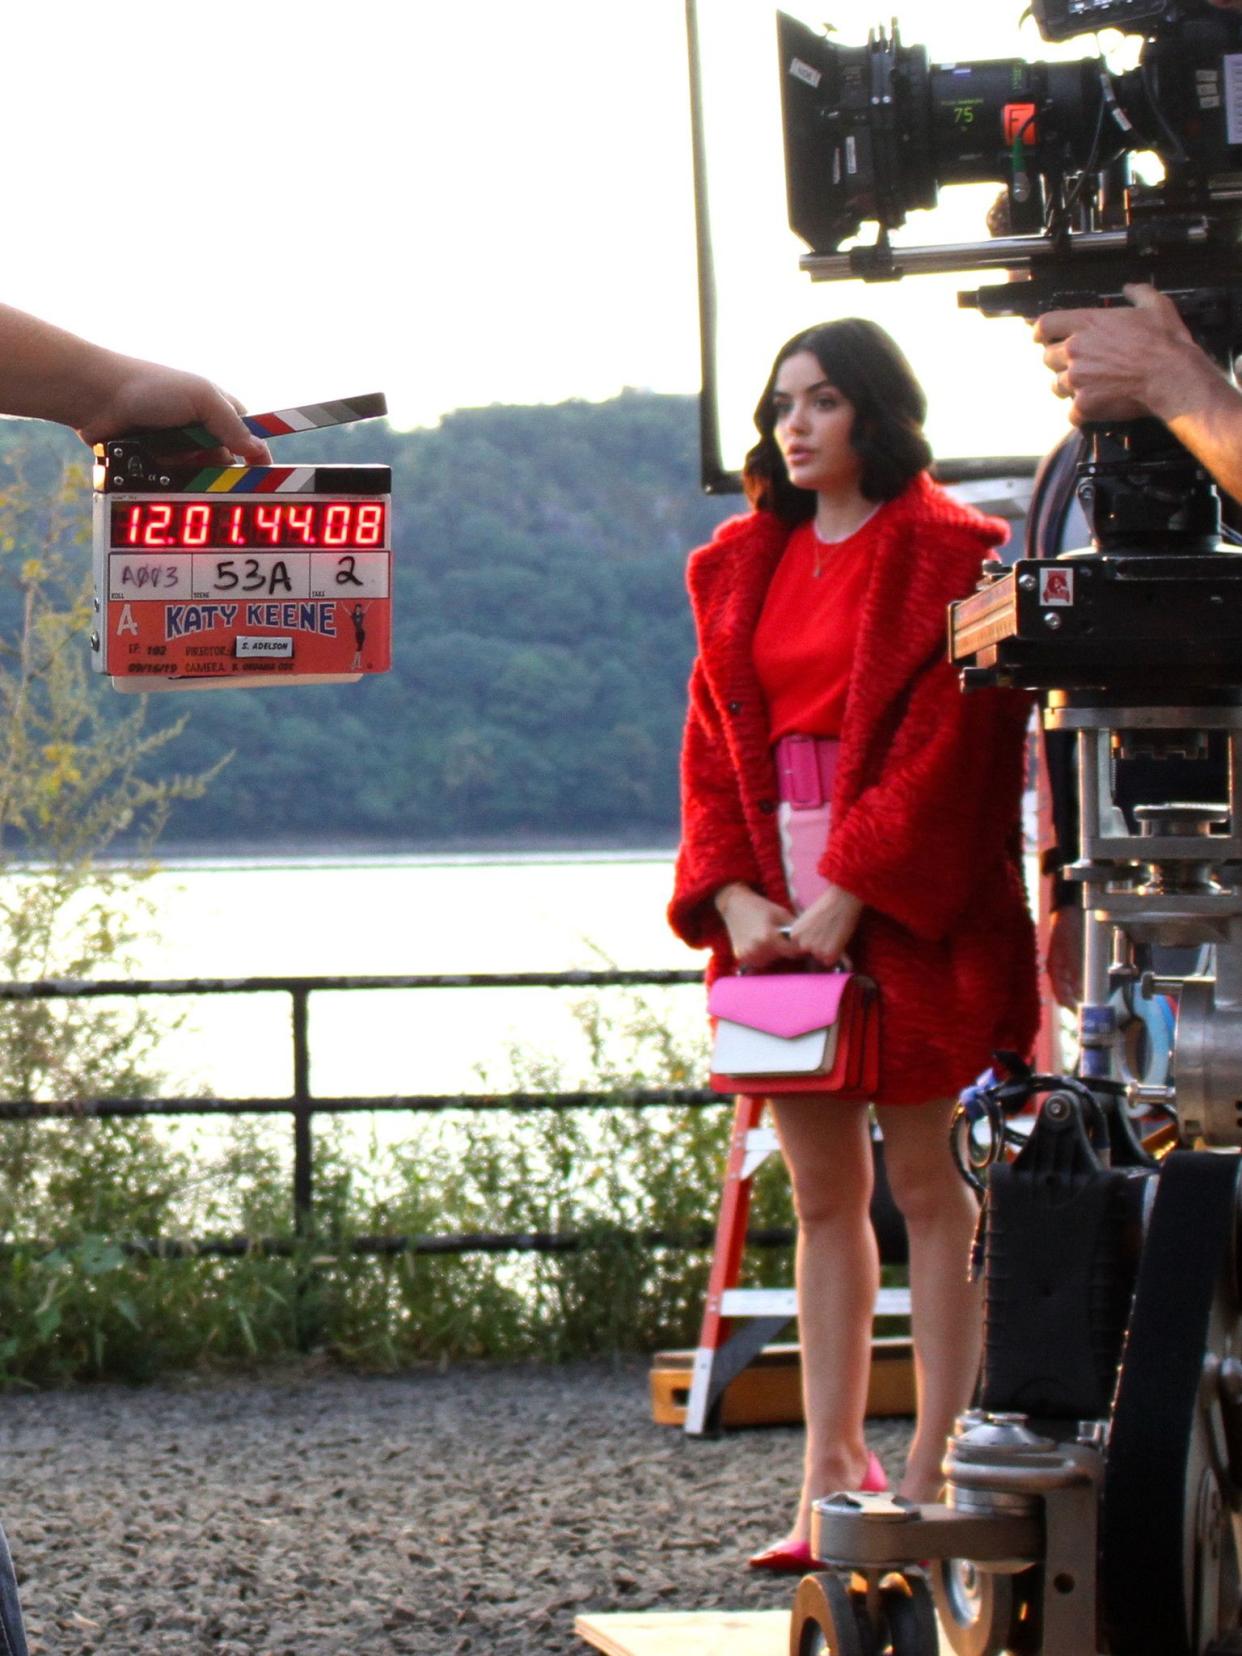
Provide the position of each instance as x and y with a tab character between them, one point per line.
525	912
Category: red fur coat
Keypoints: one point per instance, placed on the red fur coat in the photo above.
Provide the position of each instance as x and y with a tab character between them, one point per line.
926	803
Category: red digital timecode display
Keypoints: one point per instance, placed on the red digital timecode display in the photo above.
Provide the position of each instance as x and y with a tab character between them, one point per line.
176	525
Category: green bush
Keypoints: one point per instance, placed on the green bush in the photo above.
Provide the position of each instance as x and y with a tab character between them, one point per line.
85	1304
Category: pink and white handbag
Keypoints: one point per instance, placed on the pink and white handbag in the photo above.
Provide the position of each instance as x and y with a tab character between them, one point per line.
783	1032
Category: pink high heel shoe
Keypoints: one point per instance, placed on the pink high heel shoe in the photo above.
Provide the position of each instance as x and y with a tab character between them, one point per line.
795	1557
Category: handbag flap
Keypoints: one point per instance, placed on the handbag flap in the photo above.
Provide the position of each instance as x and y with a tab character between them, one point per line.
780	1003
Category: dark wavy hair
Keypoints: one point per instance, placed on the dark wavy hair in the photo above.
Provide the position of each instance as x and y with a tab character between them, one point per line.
867	367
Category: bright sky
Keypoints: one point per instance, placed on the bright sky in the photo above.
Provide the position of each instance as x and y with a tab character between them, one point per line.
454	203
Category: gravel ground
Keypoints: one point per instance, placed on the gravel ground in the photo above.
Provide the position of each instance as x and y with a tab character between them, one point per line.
476	1510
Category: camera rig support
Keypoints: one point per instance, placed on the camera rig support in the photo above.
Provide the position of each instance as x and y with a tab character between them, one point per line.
1093	1499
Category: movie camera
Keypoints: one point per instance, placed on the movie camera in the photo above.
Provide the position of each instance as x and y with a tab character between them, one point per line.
1094	1498
874	132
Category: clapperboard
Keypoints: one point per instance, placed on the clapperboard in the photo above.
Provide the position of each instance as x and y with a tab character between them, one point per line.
224	576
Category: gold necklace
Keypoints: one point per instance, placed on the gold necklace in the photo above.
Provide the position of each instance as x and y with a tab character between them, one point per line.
822	545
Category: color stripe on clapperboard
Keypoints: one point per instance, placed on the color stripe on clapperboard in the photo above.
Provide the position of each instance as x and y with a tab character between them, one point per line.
309	417
313	416
251	480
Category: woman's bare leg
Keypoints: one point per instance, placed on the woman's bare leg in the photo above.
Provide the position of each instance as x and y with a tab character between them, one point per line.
827	1148
946	1309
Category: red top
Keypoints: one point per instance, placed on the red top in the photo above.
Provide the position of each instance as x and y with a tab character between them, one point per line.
804	643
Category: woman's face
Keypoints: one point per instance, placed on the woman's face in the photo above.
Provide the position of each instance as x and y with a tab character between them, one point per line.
813	426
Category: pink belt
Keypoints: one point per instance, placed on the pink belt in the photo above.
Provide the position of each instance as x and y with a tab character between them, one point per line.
805	768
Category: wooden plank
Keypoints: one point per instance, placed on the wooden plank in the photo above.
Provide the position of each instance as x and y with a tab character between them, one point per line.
687	1632
769	1392
696	1632
782	1302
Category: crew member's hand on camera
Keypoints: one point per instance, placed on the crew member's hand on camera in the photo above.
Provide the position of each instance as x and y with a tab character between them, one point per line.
1122	363
753	924
1128	361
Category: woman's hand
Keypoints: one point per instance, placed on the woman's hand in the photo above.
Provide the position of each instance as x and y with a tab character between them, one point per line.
753	923
825	928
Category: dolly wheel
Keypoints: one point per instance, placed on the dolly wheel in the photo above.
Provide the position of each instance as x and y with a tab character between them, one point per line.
911	1617
829	1619
980	1611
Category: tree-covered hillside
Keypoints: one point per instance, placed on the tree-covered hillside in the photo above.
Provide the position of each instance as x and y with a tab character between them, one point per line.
541	643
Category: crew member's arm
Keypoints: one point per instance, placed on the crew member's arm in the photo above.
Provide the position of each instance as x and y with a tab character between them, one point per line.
1124	363
48	374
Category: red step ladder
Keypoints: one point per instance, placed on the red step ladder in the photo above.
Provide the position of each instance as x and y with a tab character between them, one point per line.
759	1313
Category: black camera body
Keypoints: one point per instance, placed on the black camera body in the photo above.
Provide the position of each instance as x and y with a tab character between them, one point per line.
1063	19
872	132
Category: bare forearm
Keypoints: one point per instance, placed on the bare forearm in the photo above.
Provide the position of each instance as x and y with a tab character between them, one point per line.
49	374
728	896
1123	362
1204	413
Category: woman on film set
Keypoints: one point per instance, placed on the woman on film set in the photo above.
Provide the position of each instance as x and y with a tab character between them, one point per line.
821	624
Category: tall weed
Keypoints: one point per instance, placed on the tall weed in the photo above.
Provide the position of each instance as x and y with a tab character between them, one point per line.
93	1306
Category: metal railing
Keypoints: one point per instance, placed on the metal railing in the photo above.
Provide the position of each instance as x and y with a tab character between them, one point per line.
302	1104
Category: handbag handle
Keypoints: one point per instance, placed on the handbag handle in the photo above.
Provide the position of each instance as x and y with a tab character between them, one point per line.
844	963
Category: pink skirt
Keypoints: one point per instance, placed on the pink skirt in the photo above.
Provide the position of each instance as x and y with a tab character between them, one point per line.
805	768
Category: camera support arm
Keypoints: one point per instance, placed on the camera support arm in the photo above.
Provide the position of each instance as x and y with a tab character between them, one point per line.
1080	271
882	262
